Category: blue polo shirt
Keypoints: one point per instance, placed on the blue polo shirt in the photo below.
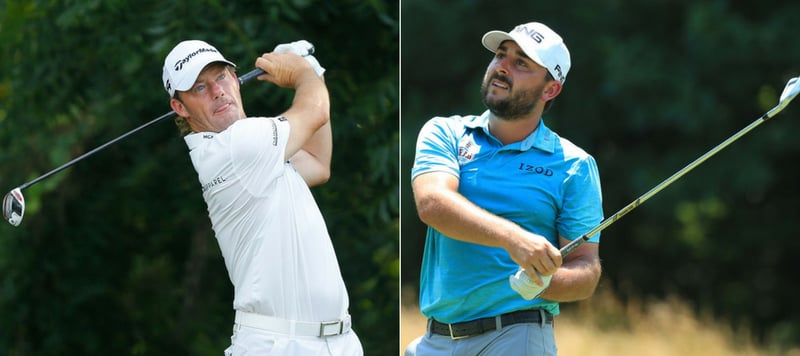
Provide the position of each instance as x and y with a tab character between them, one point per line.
544	183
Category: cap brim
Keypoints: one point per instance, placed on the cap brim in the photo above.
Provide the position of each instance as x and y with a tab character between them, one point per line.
192	72
492	39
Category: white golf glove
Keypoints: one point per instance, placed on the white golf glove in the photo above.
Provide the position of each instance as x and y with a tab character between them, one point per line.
525	286
304	49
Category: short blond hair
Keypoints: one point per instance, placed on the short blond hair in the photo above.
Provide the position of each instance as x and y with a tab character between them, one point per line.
183	126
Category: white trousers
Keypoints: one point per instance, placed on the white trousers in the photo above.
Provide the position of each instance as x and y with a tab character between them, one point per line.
247	341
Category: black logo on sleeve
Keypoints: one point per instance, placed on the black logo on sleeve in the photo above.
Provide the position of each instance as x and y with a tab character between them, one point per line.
274	133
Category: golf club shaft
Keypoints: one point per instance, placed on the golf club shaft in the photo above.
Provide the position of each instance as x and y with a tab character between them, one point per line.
566	250
168	115
242	80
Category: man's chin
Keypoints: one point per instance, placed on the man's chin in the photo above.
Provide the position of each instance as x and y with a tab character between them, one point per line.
503	110
229	116
493	103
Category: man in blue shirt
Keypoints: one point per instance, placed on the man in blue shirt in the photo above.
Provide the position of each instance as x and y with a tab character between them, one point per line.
502	192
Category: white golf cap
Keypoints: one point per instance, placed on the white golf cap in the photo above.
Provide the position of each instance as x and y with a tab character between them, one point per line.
539	42
185	62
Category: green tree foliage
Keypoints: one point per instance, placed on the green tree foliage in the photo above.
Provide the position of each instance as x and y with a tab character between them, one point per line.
116	255
653	85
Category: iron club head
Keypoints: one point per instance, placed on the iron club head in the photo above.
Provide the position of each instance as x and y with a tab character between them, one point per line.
791	89
14	207
789	92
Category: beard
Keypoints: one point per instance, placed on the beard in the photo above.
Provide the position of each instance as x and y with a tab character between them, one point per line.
517	105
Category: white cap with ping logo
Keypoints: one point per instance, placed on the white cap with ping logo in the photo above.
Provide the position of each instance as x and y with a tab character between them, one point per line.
539	42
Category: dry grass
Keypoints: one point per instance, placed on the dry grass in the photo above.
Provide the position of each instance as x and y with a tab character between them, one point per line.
604	326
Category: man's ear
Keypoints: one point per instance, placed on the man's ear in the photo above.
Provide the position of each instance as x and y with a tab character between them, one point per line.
178	107
551	90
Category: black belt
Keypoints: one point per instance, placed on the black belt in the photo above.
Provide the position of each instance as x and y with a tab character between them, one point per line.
480	326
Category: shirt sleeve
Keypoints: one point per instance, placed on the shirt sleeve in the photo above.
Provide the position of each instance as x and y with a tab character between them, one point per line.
582	208
437	149
258	146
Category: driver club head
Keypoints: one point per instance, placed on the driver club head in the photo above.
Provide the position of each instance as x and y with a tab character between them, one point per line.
14	207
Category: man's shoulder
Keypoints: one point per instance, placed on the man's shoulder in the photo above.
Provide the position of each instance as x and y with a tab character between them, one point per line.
457	121
257	127
455	118
571	152
256	120
565	146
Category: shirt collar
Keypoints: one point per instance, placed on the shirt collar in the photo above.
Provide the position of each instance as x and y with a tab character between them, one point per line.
542	138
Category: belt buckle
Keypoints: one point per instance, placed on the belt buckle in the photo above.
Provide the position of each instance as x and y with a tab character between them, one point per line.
453	337
325	324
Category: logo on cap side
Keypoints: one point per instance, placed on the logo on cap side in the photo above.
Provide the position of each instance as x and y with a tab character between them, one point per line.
560	73
550	53
179	64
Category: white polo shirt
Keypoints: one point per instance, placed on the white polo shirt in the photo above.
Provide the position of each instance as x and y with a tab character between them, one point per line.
270	230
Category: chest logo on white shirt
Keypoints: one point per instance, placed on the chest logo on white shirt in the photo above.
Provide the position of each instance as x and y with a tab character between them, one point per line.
467	149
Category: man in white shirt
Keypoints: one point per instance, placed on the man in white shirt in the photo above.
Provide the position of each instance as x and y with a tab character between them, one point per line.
255	173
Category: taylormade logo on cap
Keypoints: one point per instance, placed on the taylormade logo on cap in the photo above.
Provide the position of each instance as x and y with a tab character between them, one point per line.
179	64
539	42
185	62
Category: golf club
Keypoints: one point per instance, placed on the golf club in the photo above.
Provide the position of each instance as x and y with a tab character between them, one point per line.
789	92
520	279
14	201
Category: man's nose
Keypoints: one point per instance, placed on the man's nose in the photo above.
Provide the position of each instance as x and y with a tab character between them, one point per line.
503	65
216	90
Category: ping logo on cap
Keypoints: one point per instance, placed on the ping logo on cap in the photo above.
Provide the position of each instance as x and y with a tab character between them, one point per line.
533	34
179	64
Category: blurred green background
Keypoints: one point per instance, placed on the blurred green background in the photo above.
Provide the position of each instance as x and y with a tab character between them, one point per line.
116	255
653	85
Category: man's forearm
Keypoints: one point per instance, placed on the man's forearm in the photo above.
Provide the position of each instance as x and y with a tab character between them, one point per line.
320	145
455	216
313	161
441	206
310	112
576	280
